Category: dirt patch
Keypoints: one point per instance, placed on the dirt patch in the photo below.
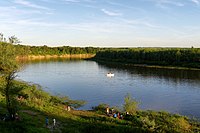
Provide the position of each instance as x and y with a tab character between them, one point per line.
29	112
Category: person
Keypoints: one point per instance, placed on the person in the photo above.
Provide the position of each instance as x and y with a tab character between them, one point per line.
68	108
115	115
112	110
121	116
118	115
47	121
54	122
107	111
16	116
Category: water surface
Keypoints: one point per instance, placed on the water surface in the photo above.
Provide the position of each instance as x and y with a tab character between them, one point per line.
176	91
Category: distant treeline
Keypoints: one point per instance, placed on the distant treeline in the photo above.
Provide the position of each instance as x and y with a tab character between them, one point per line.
45	50
184	57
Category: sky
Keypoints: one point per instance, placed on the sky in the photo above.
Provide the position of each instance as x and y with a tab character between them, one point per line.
102	23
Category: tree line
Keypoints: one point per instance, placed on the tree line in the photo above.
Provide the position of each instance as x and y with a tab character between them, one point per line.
187	57
45	50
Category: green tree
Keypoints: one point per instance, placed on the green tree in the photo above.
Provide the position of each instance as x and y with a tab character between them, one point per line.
130	105
8	69
178	55
1	37
13	40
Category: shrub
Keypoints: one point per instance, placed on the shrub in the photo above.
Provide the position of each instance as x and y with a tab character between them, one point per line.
130	105
101	107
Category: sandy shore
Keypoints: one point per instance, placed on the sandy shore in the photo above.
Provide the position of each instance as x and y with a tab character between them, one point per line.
36	57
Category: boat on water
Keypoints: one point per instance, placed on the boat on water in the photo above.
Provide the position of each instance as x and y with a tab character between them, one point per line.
110	75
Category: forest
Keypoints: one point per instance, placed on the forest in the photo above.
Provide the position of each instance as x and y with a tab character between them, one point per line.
45	50
184	57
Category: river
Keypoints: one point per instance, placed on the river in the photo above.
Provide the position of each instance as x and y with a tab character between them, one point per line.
172	90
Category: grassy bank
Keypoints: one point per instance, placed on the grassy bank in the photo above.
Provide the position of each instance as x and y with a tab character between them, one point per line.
34	105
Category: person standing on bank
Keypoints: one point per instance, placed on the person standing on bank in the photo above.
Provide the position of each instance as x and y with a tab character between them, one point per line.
54	122
107	111
47	121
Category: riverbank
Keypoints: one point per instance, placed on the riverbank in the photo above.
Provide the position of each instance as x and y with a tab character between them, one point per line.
67	56
125	63
166	57
35	106
101	60
181	58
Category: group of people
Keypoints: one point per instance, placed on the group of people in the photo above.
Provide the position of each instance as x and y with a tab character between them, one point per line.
113	113
68	108
47	122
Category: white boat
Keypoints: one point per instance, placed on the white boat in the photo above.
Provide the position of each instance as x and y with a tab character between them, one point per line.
110	74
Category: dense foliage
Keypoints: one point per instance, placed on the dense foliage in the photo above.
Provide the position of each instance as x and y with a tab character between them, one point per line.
7	58
45	50
186	57
8	69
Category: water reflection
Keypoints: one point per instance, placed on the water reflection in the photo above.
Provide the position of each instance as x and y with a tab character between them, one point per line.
169	75
48	60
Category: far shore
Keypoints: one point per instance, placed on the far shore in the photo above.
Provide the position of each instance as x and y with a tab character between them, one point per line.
90	57
144	65
67	56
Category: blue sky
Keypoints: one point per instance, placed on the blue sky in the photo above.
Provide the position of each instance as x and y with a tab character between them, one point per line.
103	23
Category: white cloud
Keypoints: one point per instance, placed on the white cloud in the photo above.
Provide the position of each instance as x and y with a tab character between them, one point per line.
164	4
13	12
197	2
73	1
140	22
179	3
111	13
29	4
79	1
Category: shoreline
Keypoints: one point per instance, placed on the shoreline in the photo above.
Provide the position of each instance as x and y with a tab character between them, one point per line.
92	57
67	56
143	65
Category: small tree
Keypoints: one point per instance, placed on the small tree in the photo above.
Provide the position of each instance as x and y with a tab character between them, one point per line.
130	105
1	37
13	40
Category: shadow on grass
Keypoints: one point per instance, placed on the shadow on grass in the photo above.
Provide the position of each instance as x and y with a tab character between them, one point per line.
32	120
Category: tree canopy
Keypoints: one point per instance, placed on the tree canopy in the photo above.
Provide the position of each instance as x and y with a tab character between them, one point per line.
186	57
8	62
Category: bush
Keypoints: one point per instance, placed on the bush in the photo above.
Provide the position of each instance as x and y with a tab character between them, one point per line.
130	105
101	107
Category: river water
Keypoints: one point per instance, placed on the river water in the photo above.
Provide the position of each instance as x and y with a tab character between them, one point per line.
175	91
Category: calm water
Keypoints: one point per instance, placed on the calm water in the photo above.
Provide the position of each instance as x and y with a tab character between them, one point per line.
176	91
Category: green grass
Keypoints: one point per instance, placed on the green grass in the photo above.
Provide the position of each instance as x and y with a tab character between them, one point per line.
38	105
